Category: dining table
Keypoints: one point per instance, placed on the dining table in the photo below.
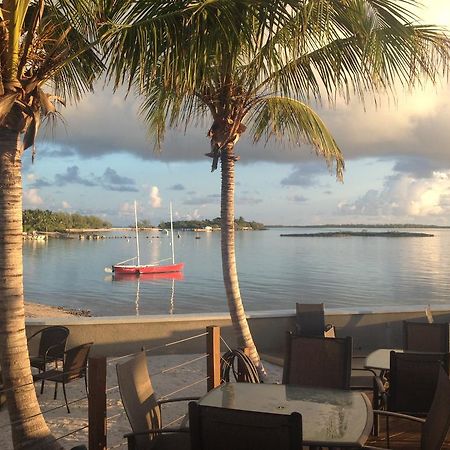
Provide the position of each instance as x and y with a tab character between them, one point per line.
330	417
380	359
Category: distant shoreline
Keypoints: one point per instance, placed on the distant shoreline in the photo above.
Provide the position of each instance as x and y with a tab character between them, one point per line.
362	225
394	234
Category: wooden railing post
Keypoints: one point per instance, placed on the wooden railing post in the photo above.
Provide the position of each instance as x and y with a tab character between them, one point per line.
97	403
213	359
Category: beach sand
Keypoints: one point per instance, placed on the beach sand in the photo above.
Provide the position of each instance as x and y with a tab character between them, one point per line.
174	379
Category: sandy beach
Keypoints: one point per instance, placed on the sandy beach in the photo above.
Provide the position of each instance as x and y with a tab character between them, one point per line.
167	377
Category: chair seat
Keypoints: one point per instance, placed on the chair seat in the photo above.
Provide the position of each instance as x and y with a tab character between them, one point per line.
172	441
39	362
50	375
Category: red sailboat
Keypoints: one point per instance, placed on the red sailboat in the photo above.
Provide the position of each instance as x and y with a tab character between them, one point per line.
138	269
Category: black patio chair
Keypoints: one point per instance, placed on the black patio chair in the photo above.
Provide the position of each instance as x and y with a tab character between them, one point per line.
426	337
214	428
74	367
318	361
310	320
52	345
436	426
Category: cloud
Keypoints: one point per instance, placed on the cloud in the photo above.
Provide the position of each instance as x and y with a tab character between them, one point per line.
65	205
248	200
72	176
406	197
177	187
31	177
32	198
305	175
205	200
155	199
416	166
112	181
298	199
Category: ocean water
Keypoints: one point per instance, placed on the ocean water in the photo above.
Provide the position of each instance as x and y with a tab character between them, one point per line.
274	272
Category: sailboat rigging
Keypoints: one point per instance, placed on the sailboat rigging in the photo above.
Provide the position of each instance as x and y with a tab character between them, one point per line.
138	269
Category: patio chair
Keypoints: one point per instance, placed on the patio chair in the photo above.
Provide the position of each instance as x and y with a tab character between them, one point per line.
318	361
143	409
413	378
214	428
74	367
426	337
435	427
310	320
52	345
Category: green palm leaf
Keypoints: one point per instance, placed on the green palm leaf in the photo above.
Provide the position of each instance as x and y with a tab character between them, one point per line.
288	119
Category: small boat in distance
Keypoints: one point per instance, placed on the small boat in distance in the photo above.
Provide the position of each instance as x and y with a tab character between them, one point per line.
138	269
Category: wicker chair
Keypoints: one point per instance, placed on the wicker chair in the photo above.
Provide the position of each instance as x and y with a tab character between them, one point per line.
310	320
318	361
435	427
144	409
214	428
52	344
426	337
74	367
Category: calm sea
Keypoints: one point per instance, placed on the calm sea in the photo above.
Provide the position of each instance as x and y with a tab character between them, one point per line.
274	272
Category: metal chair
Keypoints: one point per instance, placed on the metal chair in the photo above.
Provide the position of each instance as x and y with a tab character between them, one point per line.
412	381
436	426
426	337
52	345
214	428
74	367
318	361
310	320
144	409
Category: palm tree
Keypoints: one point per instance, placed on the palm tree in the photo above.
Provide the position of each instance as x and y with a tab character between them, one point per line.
44	45
259	66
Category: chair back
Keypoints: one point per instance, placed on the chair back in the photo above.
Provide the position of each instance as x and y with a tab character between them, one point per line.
53	339
138	397
426	337
437	424
318	361
214	428
413	379
309	319
75	362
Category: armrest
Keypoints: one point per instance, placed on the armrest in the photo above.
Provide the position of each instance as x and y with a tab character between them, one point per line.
398	415
179	399
55	347
33	335
156	431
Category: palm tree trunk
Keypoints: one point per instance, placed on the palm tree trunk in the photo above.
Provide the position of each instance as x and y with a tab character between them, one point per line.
230	276
29	430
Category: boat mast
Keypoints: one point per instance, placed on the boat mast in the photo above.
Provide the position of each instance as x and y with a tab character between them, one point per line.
171	231
137	234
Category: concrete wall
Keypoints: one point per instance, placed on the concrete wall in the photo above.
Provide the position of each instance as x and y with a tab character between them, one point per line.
371	328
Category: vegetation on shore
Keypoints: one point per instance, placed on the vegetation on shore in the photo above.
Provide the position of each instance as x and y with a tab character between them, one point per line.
240	224
40	220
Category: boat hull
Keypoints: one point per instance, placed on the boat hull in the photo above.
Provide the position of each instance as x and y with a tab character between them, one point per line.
147	269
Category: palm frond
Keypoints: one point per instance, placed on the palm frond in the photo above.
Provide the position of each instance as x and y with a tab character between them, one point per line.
288	119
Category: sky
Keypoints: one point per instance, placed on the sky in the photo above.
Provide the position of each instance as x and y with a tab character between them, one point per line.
99	159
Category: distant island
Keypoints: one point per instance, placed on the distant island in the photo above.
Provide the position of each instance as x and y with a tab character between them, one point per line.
363	233
362	225
212	225
49	221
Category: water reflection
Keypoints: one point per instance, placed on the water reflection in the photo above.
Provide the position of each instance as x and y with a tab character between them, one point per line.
152	278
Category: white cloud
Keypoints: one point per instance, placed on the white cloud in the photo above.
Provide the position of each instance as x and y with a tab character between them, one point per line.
155	199
31	177
405	198
31	197
66	205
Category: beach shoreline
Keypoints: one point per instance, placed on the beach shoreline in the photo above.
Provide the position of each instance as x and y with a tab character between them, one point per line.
33	310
